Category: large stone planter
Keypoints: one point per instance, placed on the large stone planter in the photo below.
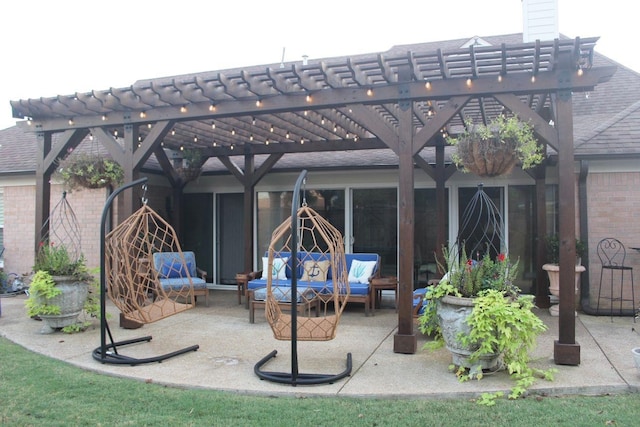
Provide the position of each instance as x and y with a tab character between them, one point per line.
452	315
553	271
71	302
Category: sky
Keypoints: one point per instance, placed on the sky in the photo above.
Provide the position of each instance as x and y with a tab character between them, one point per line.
61	47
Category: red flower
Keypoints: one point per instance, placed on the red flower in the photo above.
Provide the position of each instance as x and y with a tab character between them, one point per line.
501	257
469	262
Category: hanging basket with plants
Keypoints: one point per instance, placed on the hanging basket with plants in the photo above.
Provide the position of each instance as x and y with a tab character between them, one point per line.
494	149
82	170
189	166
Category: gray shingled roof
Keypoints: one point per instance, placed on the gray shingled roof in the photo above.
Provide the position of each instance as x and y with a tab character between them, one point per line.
606	123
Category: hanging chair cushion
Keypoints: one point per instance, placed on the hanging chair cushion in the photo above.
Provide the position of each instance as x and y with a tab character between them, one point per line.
172	273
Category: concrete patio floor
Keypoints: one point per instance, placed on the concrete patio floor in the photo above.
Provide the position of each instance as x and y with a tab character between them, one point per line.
229	347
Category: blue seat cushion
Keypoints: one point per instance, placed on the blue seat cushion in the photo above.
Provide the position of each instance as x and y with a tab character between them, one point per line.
283	294
179	282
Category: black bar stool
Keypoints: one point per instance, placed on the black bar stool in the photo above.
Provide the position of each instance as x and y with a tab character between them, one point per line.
612	254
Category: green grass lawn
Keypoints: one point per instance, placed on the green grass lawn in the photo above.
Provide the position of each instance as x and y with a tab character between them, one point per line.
39	391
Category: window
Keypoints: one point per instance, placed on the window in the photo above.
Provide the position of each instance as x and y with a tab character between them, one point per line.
275	206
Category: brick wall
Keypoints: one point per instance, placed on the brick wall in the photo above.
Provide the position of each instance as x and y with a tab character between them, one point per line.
87	205
614	211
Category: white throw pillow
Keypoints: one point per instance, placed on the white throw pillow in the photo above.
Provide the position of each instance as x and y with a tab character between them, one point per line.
360	271
279	271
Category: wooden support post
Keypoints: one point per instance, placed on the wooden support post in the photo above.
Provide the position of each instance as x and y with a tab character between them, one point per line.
566	350
405	340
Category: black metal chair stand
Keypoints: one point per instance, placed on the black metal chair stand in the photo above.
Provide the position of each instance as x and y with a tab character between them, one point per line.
294	377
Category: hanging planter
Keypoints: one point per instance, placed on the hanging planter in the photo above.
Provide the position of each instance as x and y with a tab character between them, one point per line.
494	149
81	170
190	165
188	173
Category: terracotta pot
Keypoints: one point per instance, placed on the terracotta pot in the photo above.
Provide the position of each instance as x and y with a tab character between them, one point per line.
553	271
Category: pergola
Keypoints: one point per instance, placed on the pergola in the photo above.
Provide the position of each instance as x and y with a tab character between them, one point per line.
400	101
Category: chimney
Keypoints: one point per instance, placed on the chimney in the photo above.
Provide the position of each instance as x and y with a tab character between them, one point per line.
540	20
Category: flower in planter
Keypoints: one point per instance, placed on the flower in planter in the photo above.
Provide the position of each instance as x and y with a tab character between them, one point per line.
494	149
469	277
484	321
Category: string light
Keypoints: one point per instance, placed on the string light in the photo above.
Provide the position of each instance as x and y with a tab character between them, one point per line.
251	137
427	85
258	103
233	131
309	98
148	125
104	117
580	71
212	107
286	135
499	78
70	122
266	141
183	109
173	132
253	121
143	114
469	82
181	148
271	129
195	139
533	79
369	92
213	125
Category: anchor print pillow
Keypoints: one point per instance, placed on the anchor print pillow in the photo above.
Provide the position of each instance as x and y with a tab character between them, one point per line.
315	271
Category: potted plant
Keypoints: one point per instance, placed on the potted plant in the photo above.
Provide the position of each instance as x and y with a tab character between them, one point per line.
553	268
495	148
484	321
59	289
82	170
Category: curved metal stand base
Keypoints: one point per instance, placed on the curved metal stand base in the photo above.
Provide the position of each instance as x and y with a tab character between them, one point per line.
109	354
297	378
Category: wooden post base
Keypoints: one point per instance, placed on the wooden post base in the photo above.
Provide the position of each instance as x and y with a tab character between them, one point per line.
406	344
566	354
